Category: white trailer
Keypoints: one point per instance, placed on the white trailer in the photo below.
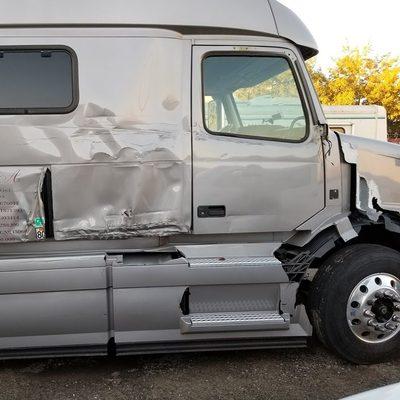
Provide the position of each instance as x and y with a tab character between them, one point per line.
366	121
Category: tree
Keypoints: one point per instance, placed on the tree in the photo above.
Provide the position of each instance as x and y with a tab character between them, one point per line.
359	77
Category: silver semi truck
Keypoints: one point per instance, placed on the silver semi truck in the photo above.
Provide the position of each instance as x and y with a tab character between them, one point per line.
141	212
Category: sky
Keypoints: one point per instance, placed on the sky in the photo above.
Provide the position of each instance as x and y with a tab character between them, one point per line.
353	22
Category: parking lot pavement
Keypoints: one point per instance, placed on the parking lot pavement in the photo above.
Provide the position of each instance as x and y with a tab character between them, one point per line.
311	373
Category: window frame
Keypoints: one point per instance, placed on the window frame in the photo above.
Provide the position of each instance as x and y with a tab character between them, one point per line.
270	54
74	80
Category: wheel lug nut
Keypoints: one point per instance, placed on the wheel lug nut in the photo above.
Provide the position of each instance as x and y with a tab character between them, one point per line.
369	314
390	295
390	326
397	307
372	323
396	318
380	329
379	295
370	302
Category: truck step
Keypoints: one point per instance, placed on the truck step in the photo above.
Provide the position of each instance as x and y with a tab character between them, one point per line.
234	321
233	261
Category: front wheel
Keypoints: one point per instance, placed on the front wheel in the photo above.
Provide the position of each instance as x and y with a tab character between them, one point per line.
354	303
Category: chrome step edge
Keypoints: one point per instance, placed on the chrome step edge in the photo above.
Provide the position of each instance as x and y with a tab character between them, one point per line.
234	321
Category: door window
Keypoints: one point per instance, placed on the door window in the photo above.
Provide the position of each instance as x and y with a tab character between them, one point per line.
253	96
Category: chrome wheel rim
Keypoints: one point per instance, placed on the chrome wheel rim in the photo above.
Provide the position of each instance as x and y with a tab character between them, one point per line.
373	308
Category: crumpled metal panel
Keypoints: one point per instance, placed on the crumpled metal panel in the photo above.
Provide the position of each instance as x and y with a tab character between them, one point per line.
378	174
117	201
21	208
83	139
120	163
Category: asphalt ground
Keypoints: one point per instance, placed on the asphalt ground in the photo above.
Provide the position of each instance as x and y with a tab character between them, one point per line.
311	373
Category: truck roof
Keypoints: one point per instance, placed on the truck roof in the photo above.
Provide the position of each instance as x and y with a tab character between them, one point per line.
260	17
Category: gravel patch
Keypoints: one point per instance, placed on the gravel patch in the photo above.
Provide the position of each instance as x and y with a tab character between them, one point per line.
311	373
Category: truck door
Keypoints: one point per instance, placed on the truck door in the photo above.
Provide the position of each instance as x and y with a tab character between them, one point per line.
257	153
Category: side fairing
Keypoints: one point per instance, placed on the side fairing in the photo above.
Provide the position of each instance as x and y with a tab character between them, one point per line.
291	27
120	163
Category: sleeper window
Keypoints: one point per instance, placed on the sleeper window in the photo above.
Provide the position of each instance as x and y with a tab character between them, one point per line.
253	96
37	80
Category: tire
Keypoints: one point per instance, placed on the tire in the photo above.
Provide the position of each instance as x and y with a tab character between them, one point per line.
363	331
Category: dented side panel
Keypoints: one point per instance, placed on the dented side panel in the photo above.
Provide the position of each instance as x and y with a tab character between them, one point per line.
120	201
120	163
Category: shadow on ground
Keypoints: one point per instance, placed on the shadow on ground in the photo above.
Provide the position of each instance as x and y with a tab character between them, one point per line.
311	373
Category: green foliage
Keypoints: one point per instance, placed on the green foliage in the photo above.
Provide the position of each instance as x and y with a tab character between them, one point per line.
359	77
278	86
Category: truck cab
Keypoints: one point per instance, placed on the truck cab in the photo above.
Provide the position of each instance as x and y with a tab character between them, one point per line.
168	182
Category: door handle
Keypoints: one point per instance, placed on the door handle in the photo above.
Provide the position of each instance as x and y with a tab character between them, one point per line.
211	211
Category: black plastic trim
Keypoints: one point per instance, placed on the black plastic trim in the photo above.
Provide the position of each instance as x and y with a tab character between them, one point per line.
212	345
185	302
47	199
211	212
46	352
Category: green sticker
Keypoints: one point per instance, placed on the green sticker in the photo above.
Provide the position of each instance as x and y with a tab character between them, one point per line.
39	222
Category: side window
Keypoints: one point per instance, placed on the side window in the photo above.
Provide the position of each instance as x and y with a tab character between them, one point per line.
253	96
38	80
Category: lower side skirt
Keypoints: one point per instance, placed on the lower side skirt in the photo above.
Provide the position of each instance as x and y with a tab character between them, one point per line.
54	352
214	345
156	348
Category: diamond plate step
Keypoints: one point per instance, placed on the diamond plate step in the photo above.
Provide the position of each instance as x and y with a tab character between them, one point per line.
234	321
233	261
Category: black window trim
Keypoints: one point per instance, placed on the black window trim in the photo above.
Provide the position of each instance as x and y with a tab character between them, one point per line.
74	79
263	53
